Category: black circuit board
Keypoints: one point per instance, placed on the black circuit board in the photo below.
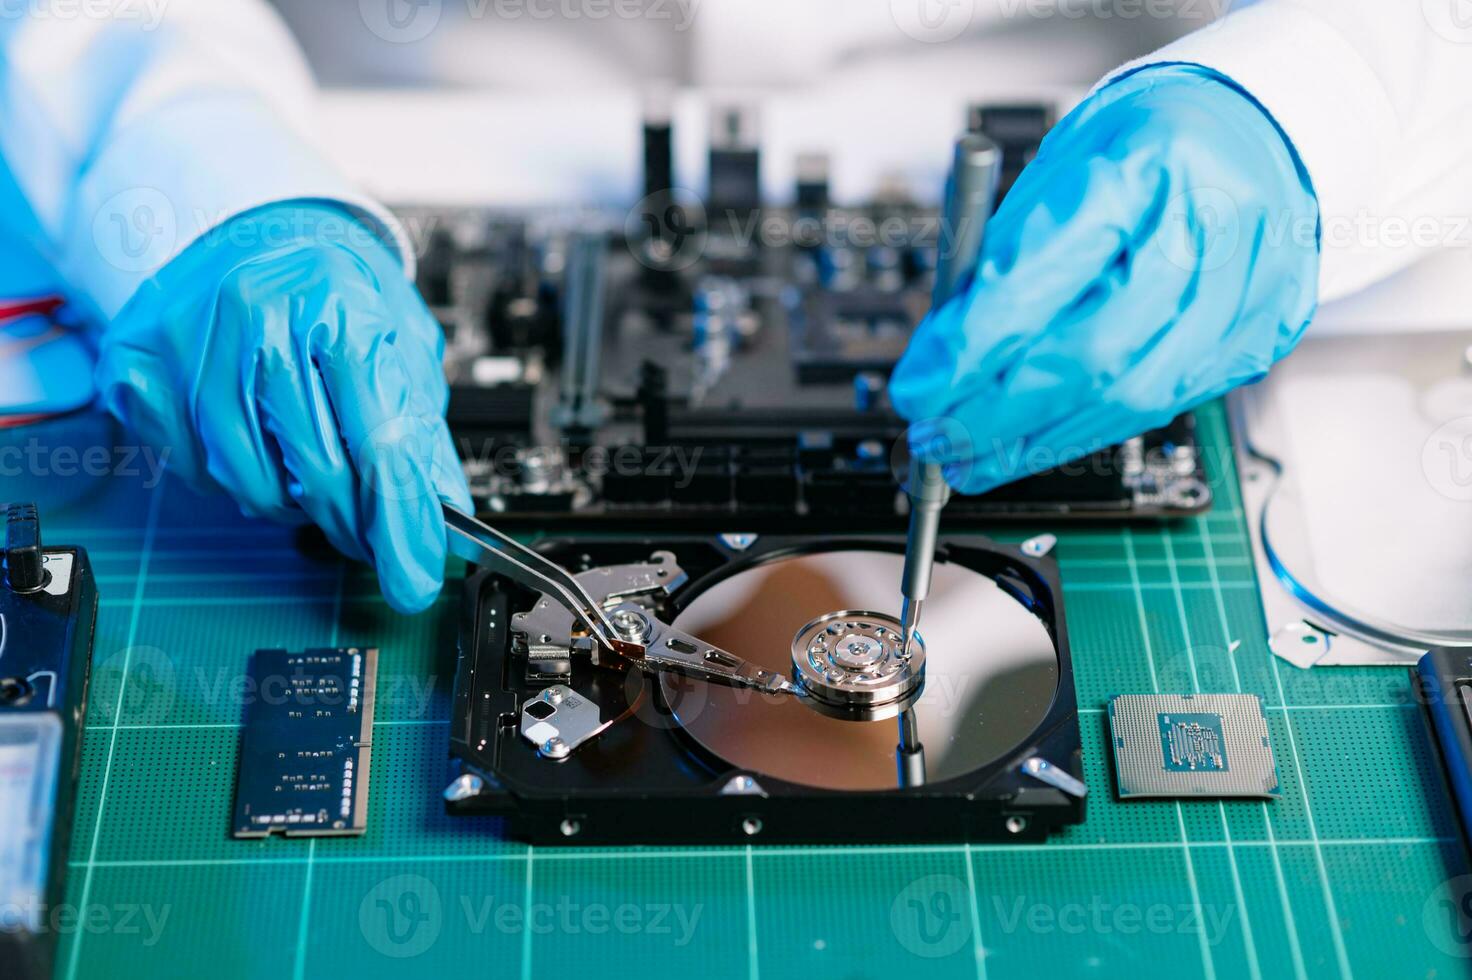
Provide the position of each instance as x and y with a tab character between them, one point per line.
777	415
723	364
307	745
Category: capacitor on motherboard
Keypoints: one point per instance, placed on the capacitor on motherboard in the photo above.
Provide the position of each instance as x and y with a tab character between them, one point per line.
659	152
812	182
660	220
735	162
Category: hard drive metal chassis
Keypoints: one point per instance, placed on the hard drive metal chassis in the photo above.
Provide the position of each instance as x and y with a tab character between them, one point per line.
643	781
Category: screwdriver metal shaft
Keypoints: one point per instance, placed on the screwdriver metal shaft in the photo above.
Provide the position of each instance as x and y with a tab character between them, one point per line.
970	196
929	494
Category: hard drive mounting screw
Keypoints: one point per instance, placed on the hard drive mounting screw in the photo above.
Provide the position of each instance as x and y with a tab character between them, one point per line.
555	748
570	828
1016	825
751	826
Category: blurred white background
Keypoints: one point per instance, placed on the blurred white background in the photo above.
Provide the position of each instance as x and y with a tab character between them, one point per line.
578	45
519	102
528	101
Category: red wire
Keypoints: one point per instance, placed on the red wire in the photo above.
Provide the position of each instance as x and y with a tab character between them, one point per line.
14	310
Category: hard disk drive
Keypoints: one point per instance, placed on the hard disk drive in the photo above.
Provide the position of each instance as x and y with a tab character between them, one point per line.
971	735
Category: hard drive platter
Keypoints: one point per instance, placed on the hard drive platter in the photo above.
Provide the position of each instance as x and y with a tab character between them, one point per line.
574	751
991	672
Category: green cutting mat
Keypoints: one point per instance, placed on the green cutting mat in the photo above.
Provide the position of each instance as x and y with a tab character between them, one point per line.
1354	871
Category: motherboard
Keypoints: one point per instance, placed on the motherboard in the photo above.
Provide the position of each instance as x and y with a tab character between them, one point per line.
721	361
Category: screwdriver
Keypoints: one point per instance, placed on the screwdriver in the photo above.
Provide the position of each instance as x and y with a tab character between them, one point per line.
970	195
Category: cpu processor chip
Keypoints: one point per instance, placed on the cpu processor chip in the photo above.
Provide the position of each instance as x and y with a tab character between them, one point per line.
1173	745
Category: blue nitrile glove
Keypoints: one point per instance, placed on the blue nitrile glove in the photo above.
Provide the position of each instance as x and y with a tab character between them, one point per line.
1161	250
285	359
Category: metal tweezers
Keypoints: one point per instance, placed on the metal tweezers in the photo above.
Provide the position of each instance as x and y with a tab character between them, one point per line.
657	646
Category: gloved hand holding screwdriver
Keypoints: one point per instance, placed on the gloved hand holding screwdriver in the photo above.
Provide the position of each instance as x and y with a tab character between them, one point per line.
1161	250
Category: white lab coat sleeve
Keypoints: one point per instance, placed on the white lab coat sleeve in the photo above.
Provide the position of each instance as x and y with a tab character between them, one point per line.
1376	97
130	128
